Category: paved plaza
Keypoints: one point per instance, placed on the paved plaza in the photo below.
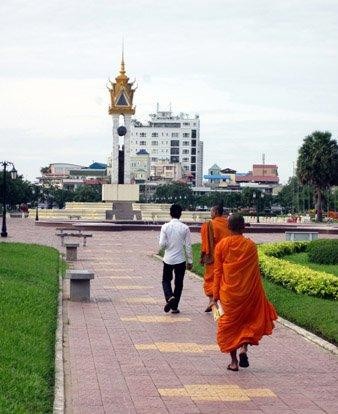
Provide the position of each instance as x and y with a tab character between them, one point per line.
124	355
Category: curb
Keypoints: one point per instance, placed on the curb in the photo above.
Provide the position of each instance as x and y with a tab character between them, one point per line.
309	336
59	395
301	331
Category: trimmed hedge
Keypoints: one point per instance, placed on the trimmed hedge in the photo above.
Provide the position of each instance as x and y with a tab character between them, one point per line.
323	251
301	279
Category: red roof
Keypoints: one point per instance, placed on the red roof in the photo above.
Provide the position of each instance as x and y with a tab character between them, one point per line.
264	166
257	178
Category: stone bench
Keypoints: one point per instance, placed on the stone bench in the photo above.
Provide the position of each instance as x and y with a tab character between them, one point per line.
74	216
71	251
80	284
71	234
18	214
301	235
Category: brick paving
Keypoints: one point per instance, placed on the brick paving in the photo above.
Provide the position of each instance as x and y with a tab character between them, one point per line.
123	354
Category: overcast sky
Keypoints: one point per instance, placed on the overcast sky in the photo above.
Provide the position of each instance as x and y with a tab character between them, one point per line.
262	74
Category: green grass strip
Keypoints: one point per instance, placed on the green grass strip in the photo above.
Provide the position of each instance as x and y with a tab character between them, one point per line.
29	294
319	316
303	260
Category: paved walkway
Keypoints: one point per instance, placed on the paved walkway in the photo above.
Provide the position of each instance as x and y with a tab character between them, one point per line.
125	355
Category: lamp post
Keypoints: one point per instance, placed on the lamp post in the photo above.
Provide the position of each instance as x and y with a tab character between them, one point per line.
38	192
257	195
13	176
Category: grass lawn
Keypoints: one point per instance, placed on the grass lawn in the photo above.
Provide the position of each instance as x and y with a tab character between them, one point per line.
319	316
29	293
302	259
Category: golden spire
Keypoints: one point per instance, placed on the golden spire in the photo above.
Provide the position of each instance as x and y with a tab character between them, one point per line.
121	92
122	70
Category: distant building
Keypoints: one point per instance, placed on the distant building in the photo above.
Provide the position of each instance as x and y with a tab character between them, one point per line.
140	167
218	178
170	140
163	170
70	176
260	174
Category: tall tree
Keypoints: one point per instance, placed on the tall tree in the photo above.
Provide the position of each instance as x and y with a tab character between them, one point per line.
317	165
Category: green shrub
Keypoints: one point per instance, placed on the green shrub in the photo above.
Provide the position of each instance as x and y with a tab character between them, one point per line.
323	251
301	279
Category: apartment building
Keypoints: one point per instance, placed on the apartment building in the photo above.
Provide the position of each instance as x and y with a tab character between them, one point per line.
171	139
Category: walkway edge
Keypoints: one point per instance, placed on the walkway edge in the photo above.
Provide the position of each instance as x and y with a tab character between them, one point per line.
309	336
59	394
301	331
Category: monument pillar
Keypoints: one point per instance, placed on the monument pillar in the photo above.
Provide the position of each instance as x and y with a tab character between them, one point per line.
121	109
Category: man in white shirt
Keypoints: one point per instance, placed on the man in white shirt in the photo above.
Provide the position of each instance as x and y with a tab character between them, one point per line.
176	241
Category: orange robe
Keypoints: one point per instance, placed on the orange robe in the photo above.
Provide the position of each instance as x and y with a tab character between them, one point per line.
248	315
209	241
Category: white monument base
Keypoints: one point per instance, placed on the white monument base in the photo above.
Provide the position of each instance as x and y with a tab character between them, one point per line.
120	192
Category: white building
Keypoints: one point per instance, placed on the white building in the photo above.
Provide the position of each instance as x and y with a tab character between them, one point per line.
140	167
170	138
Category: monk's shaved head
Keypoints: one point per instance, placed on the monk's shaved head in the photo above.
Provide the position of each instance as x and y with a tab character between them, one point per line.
236	223
217	209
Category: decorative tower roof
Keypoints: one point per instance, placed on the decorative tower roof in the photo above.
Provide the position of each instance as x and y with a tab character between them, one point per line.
121	93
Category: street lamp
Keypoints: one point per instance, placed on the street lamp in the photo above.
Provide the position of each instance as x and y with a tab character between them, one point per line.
38	192
257	197
14	175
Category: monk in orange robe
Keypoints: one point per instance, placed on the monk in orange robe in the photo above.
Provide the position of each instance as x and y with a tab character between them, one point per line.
212	232
248	315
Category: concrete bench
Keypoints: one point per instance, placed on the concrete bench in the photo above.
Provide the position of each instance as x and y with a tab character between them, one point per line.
71	251
301	235
80	284
18	214
78	234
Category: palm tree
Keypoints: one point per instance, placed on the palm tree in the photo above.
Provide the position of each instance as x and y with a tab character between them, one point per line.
317	165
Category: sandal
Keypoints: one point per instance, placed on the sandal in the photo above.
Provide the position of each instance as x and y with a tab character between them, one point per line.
243	360
231	369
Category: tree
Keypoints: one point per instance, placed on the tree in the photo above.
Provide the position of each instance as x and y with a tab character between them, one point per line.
317	165
45	170
88	193
295	197
174	193
17	191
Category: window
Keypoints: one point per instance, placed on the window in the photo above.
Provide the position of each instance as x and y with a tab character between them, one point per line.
186	168
153	159
193	159
175	143
186	123
186	143
186	135
154	143
193	151
174	134
193	167
185	151
143	142
155	151
143	134
193	133
193	142
174	159
154	134
185	159
174	151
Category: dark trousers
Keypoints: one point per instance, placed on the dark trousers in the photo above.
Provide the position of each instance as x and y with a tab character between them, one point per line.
179	270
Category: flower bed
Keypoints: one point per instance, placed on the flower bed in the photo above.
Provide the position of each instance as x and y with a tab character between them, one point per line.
301	279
